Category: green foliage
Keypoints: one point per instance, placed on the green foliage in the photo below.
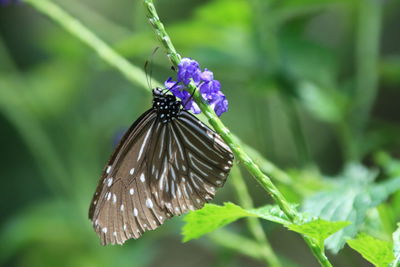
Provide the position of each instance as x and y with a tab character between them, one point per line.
271	213
210	218
318	229
354	194
378	252
396	246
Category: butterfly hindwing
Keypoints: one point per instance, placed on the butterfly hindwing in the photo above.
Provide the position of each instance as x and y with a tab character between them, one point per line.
157	171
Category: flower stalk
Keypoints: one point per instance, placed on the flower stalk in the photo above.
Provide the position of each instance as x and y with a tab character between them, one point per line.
225	134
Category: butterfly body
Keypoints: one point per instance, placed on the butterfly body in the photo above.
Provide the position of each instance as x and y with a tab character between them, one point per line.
167	106
167	163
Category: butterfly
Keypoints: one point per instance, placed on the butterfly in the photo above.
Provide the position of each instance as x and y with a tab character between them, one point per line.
166	164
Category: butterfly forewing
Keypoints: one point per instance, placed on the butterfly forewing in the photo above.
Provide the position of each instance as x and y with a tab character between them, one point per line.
160	169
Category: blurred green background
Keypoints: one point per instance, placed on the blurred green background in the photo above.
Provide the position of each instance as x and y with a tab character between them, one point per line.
312	84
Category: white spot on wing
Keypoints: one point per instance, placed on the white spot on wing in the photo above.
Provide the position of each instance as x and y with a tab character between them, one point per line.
104	230
122	207
149	203
142	178
132	171
124	227
108	169
135	212
114	233
109	181
131	191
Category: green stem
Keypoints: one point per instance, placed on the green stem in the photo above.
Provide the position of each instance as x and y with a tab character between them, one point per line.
253	224
213	119
228	137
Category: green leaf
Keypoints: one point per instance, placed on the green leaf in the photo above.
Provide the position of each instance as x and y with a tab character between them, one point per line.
396	246
271	213
378	252
318	229
210	218
351	198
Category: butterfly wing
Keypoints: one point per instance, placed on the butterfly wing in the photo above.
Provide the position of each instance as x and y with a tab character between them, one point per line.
158	170
116	201
188	164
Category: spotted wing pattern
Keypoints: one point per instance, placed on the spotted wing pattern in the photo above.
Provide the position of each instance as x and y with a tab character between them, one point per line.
159	170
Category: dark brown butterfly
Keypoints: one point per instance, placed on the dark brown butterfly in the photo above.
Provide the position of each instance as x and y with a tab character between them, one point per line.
167	163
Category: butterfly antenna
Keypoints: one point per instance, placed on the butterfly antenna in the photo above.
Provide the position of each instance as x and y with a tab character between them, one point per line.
190	98
148	66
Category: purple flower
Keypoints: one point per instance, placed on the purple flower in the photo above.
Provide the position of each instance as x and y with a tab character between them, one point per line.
189	69
209	88
219	103
207	75
189	104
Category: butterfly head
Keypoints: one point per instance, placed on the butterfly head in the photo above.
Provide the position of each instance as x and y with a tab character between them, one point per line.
166	105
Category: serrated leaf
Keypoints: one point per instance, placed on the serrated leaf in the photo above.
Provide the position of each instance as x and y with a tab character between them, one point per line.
354	194
210	218
378	252
318	229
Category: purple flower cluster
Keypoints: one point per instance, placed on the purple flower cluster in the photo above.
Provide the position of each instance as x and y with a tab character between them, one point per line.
210	89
